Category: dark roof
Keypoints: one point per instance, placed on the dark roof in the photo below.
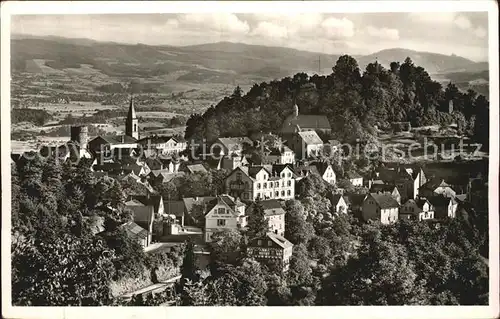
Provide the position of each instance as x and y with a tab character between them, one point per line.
189	202
440	201
278	151
321	167
305	122
271	207
435	183
336	198
160	139
384	200
118	139
353	174
382	188
151	200
226	199
279	240
276	169
231	142
174	207
135	230
354	199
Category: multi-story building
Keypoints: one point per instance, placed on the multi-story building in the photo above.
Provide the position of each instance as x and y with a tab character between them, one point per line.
436	187
163	145
380	188
279	155
444	207
224	212
417	209
325	170
271	249
261	182
275	215
381	207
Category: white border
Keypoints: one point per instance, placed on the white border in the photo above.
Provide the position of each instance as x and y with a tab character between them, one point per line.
67	7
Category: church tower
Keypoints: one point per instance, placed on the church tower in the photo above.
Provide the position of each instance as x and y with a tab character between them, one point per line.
132	123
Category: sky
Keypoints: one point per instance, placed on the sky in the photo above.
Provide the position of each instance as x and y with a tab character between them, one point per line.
461	33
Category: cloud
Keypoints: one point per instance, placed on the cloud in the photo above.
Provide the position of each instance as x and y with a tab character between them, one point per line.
383	33
462	22
480	32
338	28
433	17
269	29
222	22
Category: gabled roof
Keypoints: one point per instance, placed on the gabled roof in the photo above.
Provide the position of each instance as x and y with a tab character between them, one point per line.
354	199
149	200
276	169
135	230
440	201
160	139
230	142
376	187
384	200
196	168
226	200
271	207
310	137
353	174
419	202
336	198
321	167
316	122
278	151
174	207
117	139
435	183
254	170
279	240
189	202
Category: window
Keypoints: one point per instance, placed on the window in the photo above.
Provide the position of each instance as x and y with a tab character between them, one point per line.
238	176
135	127
221	211
269	243
289	193
282	175
282	193
258	185
276	193
265	185
259	242
289	183
221	222
276	184
289	174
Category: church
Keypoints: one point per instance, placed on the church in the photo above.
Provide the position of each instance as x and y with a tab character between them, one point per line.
296	122
126	142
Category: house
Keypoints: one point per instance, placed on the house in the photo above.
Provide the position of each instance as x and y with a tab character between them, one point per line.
175	208
154	164
138	233
299	122
224	212
386	189
436	187
306	144
264	182
170	164
230	145
275	215
164	145
163	176
279	155
191	203
145	209
196	168
443	206
354	201
355	179
271	249
406	180
112	146
381	207
417	209
230	162
325	170
339	203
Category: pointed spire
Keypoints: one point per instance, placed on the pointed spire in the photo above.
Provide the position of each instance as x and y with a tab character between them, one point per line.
131	110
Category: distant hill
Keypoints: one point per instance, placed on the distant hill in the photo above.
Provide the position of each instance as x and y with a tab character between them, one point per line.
219	62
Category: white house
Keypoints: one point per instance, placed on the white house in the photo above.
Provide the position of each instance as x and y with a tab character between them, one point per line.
355	178
264	182
339	204
381	207
164	145
326	172
306	144
224	212
444	207
417	209
279	155
275	215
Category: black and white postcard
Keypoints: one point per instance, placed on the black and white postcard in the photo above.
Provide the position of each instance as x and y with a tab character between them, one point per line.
159	157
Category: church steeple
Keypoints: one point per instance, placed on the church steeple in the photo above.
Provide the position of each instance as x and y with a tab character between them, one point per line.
132	123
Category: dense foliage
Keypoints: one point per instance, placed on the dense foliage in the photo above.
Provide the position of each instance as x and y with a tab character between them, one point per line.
35	116
355	103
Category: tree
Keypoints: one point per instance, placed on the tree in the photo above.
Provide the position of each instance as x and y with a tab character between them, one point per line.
257	223
226	246
300	270
189	269
67	271
297	230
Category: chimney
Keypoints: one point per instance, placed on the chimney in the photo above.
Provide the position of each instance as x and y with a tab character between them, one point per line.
123	139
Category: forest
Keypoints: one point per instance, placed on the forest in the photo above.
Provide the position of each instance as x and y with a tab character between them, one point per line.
355	102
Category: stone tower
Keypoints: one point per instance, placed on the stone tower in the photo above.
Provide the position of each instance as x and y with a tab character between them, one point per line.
132	123
80	135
